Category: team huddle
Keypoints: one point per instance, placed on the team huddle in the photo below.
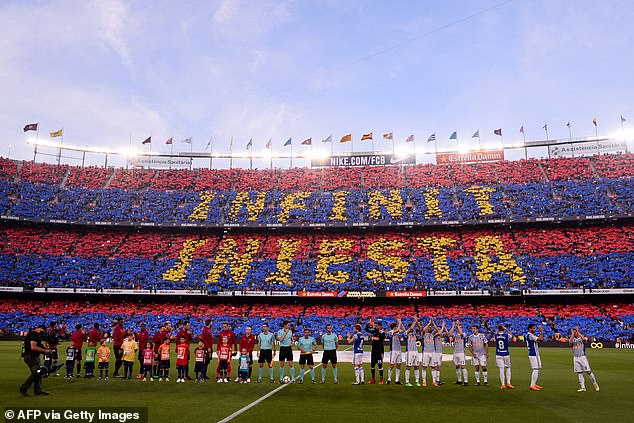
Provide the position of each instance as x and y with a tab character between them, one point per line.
423	352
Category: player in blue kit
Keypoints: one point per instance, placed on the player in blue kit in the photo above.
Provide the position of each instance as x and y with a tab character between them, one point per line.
330	342
266	352
357	358
285	338
503	356
532	343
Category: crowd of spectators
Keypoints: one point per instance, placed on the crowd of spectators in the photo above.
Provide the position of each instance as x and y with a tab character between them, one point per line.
505	190
589	257
607	322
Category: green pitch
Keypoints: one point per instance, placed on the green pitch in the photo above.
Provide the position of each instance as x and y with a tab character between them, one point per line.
191	402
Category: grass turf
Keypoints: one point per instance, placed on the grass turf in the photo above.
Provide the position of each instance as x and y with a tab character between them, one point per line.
168	401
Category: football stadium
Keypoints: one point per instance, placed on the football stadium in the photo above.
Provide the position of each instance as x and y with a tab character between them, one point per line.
346	274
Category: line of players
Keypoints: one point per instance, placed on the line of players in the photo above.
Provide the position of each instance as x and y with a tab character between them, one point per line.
155	359
431	338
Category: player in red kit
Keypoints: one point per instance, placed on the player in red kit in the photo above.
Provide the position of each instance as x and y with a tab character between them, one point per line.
232	340
247	342
224	358
208	340
147	355
79	336
118	336
142	337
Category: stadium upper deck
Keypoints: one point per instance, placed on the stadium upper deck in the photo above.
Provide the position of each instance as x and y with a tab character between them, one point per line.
419	194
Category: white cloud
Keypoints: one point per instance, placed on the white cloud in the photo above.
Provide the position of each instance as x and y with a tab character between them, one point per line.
113	16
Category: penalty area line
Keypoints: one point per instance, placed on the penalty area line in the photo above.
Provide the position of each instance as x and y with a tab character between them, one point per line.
262	398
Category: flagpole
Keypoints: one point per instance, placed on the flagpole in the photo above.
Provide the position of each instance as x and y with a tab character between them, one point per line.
251	155
415	161
525	148
59	153
271	153
569	132
37	136
171	153
127	156
83	157
291	154
231	153
211	152
191	150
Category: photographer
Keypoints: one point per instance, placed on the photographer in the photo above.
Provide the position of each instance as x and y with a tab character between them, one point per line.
32	348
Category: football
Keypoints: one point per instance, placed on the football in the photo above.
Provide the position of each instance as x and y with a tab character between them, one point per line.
286	379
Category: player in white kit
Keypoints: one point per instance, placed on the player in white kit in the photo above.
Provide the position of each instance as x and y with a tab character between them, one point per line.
439	334
396	356
479	347
580	360
532	341
428	348
459	359
411	352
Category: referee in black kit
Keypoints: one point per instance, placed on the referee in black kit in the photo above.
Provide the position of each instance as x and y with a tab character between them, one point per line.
32	348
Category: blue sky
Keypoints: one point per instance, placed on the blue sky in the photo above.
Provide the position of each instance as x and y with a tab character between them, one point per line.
105	70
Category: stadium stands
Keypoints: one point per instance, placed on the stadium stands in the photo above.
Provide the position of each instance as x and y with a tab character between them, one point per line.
538	258
528	189
606	322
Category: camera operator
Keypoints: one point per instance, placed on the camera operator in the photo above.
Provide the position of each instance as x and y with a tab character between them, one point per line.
32	348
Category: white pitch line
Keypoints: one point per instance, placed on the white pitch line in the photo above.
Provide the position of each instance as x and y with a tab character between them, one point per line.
262	398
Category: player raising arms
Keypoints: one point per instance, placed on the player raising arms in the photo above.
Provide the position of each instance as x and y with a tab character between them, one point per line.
479	347
394	335
330	342
580	360
502	355
266	352
378	338
357	358
459	359
428	348
411	352
532	341
439	334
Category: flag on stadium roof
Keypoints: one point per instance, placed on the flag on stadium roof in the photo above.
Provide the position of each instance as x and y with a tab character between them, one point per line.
346	138
432	137
454	135
308	141
623	119
148	140
289	142
209	143
388	136
476	134
33	126
250	143
268	143
329	139
522	129
410	138
568	124
594	120
545	127
498	131
56	134
187	140
366	136
169	141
